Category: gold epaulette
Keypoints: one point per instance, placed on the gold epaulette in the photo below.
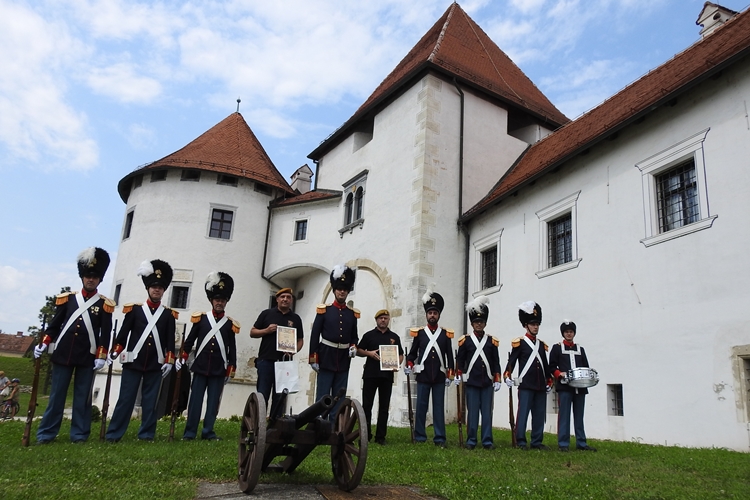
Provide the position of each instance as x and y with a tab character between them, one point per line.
129	307
175	314
109	305
546	347
356	312
449	333
461	340
63	298
495	342
414	332
515	342
235	325
321	309
196	316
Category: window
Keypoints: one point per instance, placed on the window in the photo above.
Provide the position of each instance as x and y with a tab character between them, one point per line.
675	199
487	264
354	202
349	208
158	175
137	181
358	201
558	245
180	296
227	180
560	241
489	268
262	188
300	230
741	373
614	392
191	175
118	289
221	224
128	225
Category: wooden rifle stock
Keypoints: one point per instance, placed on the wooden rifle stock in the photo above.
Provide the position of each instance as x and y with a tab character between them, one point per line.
460	411
411	410
105	401
34	388
512	417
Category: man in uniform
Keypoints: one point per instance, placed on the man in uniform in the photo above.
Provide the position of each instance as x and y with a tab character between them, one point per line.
334	338
146	341
78	340
212	334
534	380
373	378
431	358
478	365
564	356
265	329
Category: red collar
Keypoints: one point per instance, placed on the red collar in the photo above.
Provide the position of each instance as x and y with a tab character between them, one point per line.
152	305
479	335
217	315
339	305
433	330
531	337
569	344
87	295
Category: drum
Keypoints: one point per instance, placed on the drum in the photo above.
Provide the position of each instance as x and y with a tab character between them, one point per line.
582	377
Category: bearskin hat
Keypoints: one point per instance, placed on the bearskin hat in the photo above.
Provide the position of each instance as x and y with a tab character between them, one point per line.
219	285
432	301
478	309
530	312
567	325
93	261
155	272
342	277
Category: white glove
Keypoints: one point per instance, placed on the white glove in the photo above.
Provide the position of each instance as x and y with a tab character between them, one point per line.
448	382
352	351
226	380
496	386
549	389
407	370
165	369
99	364
564	378
38	350
177	364
457	380
111	358
509	382
315	367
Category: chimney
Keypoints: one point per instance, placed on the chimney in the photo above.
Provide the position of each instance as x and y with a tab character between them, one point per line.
19	334
712	16
302	179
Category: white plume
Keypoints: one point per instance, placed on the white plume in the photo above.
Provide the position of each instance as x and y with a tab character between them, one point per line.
145	269
528	307
428	293
477	303
338	270
86	256
212	279
567	321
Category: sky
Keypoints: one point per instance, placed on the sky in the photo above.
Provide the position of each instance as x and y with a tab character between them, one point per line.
92	89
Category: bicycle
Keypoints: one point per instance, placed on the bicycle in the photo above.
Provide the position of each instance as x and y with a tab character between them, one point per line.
9	410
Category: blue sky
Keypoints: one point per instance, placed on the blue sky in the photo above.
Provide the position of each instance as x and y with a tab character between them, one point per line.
92	89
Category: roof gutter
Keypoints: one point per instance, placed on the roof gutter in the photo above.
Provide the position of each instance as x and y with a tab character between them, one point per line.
461	227
265	252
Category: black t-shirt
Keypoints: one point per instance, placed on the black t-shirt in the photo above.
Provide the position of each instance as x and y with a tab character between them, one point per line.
268	342
371	341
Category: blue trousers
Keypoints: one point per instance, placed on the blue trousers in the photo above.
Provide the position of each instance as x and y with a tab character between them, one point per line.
479	400
266	380
578	402
80	426
202	384
330	383
129	383
383	387
534	402
438	412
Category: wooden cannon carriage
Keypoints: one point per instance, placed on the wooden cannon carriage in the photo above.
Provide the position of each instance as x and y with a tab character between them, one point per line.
296	436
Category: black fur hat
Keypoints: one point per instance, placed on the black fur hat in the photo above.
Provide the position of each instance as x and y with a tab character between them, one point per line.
93	261
530	312
219	285
155	272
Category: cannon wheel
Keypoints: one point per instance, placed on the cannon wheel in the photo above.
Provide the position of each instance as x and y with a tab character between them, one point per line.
252	444
349	455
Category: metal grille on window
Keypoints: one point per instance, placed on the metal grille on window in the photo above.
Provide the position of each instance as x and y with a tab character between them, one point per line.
300	232
677	194
179	297
221	224
349	207
560	240
358	200
615	400
489	268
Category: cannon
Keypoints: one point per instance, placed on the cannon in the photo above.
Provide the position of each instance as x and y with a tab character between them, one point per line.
296	436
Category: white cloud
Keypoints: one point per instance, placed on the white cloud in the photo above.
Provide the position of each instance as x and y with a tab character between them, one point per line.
121	82
140	136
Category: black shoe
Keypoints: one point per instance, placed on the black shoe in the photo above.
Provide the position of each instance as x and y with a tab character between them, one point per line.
380	441
563	448
470	446
521	447
585	448
44	441
488	446
113	441
78	441
541	447
441	445
145	440
187	439
214	438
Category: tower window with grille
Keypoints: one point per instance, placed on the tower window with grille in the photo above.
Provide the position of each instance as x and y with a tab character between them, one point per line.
560	240
615	400
489	268
677	194
179	298
221	224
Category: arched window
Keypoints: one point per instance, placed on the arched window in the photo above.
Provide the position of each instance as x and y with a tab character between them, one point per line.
348	208
358	201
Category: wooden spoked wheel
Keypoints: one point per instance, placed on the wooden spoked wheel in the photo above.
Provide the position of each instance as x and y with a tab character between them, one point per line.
349	454
252	443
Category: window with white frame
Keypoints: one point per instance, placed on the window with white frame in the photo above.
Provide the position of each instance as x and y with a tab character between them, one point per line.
221	222
487	267
128	226
675	198
558	242
180	296
300	230
615	406
354	201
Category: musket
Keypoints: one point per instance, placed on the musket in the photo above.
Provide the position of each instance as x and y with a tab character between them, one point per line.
176	392
105	401
512	417
460	410
411	410
34	388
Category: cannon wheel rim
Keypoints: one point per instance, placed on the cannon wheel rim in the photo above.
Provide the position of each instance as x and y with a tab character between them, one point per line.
348	464
252	442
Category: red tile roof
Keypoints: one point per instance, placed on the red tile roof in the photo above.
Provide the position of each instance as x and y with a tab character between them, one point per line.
720	49
229	147
13	344
458	47
309	197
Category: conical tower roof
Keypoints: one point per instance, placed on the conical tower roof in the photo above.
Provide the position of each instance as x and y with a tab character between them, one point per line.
229	147
457	47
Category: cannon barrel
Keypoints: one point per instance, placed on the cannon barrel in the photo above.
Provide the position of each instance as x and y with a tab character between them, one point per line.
310	413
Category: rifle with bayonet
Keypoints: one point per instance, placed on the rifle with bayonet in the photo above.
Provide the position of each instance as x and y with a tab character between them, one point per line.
34	389
105	401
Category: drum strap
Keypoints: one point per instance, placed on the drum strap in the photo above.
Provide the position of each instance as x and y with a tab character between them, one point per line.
479	344
534	347
572	354
432	344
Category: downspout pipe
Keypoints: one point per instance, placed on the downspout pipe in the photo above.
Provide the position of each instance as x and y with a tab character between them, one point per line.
461	226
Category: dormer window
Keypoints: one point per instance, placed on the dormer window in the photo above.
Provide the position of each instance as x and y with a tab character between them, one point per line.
354	201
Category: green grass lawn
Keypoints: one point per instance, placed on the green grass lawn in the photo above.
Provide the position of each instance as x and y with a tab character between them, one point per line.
23	369
131	469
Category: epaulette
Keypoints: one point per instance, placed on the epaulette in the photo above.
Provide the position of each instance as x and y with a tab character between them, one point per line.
129	307
449	333
414	332
495	342
321	309
356	312
175	314
546	347
235	325
63	298
462	340
515	342
196	316
109	305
